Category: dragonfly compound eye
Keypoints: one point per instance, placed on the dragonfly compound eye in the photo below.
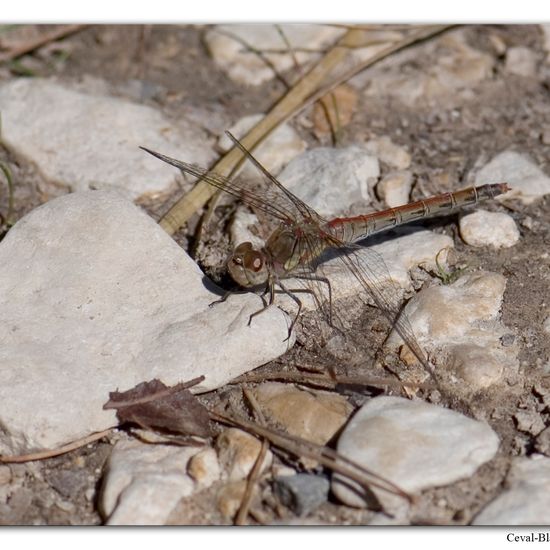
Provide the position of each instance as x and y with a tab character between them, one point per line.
253	261
247	266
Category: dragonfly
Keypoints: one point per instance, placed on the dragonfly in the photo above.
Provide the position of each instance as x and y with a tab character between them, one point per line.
296	247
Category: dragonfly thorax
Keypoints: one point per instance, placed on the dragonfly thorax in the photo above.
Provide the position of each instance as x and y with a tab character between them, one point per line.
247	266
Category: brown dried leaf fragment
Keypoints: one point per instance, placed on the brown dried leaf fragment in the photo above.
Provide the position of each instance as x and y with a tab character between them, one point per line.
154	405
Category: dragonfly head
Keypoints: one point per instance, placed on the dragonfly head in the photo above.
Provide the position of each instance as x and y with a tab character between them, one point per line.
247	266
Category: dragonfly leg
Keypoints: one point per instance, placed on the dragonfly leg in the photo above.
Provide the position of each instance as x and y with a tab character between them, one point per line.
317	278
269	287
228	293
222	299
290	293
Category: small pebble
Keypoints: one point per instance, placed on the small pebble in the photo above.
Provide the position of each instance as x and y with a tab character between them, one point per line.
498	44
546	325
302	493
237	453
204	467
449	78
139	473
395	188
65	505
508	340
69	482
529	422
542	443
462	318
483	228
334	111
389	153
312	415
521	61
281	470
545	137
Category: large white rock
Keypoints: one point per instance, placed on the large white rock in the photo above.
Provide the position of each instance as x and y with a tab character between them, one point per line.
95	297
81	140
527	180
526	500
413	444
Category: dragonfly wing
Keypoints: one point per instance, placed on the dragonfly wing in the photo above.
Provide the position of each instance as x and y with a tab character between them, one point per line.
269	197
370	270
300	206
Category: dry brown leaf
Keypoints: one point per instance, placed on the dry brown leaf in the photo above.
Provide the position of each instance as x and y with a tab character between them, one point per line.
154	405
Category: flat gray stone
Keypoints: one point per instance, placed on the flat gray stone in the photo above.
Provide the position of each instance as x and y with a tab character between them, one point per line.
526	501
95	297
527	180
412	444
82	141
302	493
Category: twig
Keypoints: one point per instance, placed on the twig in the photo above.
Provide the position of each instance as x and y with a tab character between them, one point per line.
32	45
41	455
290	49
255	472
328	457
324	381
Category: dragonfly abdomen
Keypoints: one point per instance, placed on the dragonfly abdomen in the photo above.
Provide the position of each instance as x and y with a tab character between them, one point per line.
358	227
